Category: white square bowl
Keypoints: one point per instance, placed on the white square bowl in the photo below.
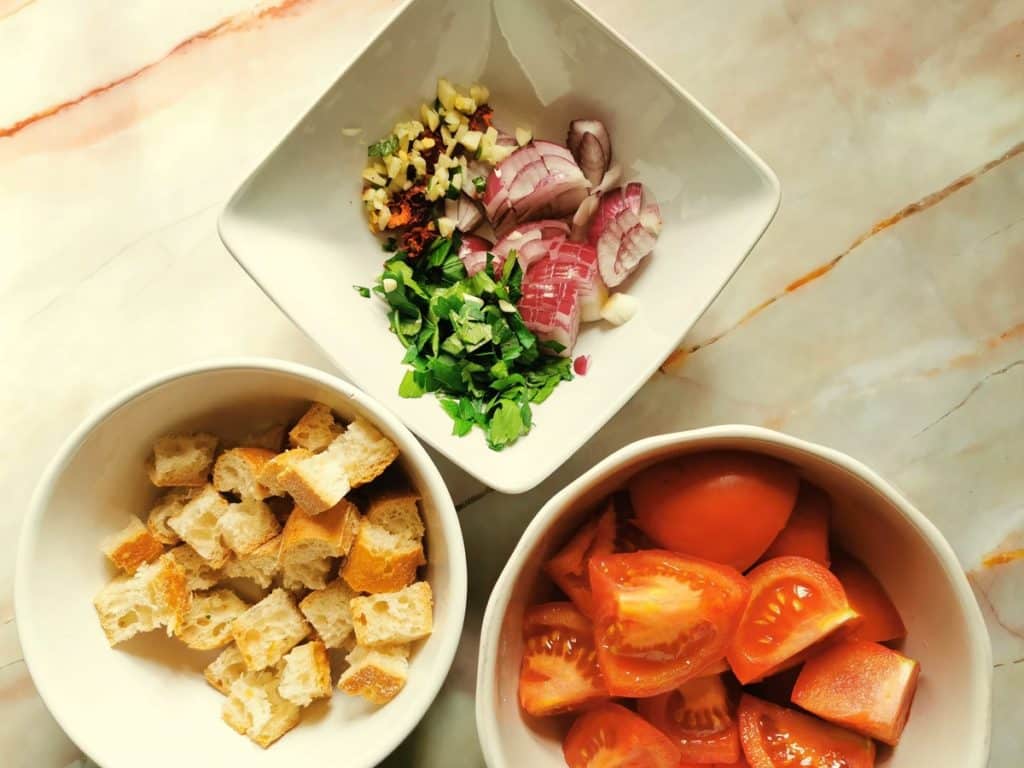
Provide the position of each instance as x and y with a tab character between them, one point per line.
297	224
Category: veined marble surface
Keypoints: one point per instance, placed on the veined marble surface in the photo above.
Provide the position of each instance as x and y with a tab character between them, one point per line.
882	313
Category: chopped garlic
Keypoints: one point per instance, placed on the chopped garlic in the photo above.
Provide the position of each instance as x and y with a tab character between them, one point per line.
394	165
465	104
471	140
462	131
446	93
452	119
383	217
374	177
425	143
523	136
419	164
446	226
619	308
479	94
429	116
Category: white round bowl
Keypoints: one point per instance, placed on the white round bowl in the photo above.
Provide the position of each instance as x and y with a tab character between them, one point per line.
146	702
950	719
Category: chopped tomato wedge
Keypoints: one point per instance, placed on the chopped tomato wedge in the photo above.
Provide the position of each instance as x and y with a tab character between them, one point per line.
879	620
661	618
568	569
806	533
724	506
794	603
613	737
777	737
699	718
859	685
559	672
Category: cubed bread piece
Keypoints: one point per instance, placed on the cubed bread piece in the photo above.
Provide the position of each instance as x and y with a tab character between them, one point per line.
182	459
270	438
225	669
308	541
268	630
315	482
237	470
247	525
199	574
329	612
328	534
155	596
132	546
394	618
306	674
300	576
208	623
166	507
396	510
269	476
365	452
256	709
376	674
315	430
380	561
261	565
198	525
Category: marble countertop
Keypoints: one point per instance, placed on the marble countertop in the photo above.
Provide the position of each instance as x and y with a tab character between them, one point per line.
882	313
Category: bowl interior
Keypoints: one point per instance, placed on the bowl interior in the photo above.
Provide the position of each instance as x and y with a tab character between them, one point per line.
546	63
949	721
119	704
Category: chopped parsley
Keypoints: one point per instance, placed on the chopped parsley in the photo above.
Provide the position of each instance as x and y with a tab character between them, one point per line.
466	343
362	290
480	183
383	148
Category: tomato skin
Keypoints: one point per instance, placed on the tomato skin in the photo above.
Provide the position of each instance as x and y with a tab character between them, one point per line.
859	685
611	735
699	718
777	737
661	619
568	569
723	506
794	603
559	671
879	620
806	532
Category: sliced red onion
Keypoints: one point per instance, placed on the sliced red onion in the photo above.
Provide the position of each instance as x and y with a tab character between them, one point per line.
550	307
578	262
591	145
538	181
464	212
581	219
524	234
473	253
624	230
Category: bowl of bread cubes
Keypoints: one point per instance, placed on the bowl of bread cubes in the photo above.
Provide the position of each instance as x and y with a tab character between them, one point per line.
240	562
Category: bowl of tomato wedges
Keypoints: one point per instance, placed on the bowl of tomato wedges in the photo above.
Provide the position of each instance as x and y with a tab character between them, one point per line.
733	596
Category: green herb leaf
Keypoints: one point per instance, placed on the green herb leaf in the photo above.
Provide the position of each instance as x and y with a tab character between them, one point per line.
362	290
409	386
383	148
506	424
480	183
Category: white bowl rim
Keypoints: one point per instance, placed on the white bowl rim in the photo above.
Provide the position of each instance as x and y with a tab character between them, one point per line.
429	683
526	481
497	604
